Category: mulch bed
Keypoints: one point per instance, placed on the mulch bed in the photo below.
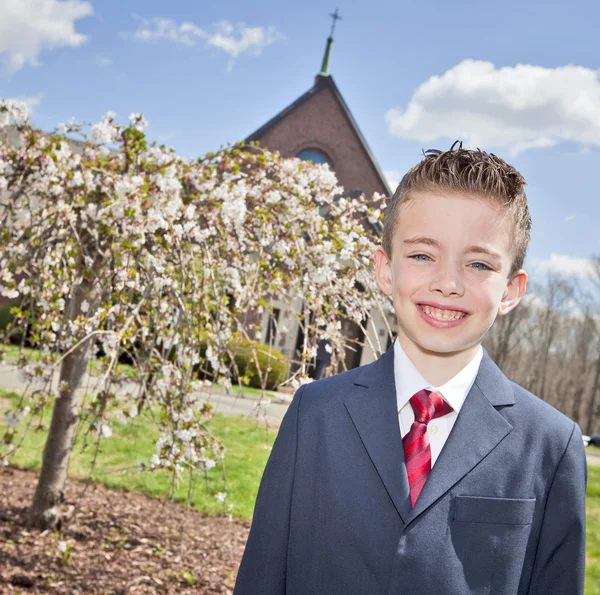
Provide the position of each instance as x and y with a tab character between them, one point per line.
121	542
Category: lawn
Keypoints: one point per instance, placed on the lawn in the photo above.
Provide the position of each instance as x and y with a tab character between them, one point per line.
592	586
247	453
248	448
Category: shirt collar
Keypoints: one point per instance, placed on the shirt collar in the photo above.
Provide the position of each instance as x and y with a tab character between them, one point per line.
409	380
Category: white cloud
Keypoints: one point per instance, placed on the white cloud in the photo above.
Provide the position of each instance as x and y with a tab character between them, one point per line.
232	38
27	27
239	39
570	217
570	266
159	28
392	177
512	108
103	61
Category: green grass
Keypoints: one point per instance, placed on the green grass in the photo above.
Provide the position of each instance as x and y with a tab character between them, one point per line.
116	465
592	583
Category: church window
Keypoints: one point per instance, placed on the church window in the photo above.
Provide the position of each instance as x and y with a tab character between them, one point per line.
313	155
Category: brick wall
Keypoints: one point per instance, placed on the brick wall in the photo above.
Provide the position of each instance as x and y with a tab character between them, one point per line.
320	123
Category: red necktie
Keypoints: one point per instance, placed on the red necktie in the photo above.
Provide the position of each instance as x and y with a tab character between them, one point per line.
417	452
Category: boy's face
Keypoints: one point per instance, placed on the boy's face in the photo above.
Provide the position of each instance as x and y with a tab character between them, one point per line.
448	273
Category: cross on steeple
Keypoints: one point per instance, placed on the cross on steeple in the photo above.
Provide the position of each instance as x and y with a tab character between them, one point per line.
336	17
325	65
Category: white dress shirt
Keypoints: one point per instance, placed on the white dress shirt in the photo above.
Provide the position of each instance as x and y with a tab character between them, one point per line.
409	381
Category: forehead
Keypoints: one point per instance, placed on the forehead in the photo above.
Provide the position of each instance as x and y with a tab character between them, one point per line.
455	220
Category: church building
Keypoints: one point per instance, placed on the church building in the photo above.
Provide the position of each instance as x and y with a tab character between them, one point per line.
319	127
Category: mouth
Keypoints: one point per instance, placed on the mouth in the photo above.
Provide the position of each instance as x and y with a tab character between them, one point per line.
441	317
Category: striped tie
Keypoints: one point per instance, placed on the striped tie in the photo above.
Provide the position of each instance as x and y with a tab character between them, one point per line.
417	453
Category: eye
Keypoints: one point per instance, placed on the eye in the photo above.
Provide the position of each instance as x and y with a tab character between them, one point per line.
481	266
423	257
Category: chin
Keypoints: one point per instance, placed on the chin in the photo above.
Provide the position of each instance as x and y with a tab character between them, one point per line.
441	345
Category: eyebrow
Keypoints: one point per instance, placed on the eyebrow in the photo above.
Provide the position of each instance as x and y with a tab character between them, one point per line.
484	250
423	240
436	244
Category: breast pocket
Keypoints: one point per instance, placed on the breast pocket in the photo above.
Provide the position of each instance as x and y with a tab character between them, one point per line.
507	511
490	537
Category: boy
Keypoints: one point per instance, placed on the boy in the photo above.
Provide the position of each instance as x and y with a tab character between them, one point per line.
428	471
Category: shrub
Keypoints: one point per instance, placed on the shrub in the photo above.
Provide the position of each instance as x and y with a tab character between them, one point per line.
245	371
268	359
15	336
5	315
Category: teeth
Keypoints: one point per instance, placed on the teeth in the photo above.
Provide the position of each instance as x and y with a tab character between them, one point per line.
442	314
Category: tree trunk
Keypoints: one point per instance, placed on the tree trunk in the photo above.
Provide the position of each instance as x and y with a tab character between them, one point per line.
45	511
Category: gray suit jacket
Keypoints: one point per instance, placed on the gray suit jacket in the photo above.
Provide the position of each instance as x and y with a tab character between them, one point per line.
502	512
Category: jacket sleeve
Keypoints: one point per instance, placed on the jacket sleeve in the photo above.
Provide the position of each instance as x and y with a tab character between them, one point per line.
263	567
559	566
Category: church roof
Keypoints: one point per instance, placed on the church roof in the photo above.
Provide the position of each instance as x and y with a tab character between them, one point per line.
323	81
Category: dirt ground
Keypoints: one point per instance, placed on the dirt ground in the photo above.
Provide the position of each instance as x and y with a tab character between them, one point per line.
116	543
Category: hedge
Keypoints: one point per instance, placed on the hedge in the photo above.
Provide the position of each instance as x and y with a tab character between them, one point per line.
5	315
245	370
267	358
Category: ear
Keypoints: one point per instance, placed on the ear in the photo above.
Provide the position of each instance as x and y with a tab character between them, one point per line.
514	292
383	271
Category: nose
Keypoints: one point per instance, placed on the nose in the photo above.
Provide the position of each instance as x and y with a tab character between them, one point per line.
448	281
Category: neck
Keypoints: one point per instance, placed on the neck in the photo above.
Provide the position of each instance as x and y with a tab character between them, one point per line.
436	368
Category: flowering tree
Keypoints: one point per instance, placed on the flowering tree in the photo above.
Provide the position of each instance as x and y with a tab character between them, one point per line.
114	246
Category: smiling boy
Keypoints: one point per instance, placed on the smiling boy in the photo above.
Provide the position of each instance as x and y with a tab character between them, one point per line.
428	471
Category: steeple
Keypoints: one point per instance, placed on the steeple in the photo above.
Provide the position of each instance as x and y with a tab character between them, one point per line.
326	58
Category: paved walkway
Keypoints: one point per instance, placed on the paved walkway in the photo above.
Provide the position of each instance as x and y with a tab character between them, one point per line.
593	455
273	407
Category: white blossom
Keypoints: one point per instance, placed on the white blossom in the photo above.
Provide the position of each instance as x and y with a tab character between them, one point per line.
77	179
11	418
138	121
234	210
104	131
104	431
12	112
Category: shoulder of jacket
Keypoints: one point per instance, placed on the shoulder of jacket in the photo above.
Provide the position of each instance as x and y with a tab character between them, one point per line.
544	415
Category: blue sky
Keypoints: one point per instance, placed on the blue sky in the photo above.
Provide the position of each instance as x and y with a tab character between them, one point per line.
518	78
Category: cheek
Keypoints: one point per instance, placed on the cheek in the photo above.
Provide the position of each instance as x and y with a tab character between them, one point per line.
488	295
407	279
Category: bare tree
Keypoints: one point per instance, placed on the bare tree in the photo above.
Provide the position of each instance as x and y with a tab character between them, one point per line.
595	387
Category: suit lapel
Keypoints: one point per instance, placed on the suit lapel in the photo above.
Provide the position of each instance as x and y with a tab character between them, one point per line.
372	407
479	428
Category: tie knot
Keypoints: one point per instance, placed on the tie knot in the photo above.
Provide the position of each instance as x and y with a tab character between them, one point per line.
428	405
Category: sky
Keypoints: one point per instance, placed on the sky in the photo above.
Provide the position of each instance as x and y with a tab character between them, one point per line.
519	79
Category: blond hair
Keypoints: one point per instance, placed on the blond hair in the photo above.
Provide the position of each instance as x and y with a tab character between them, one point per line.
471	172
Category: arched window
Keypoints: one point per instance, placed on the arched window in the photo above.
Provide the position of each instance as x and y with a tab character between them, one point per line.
313	155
